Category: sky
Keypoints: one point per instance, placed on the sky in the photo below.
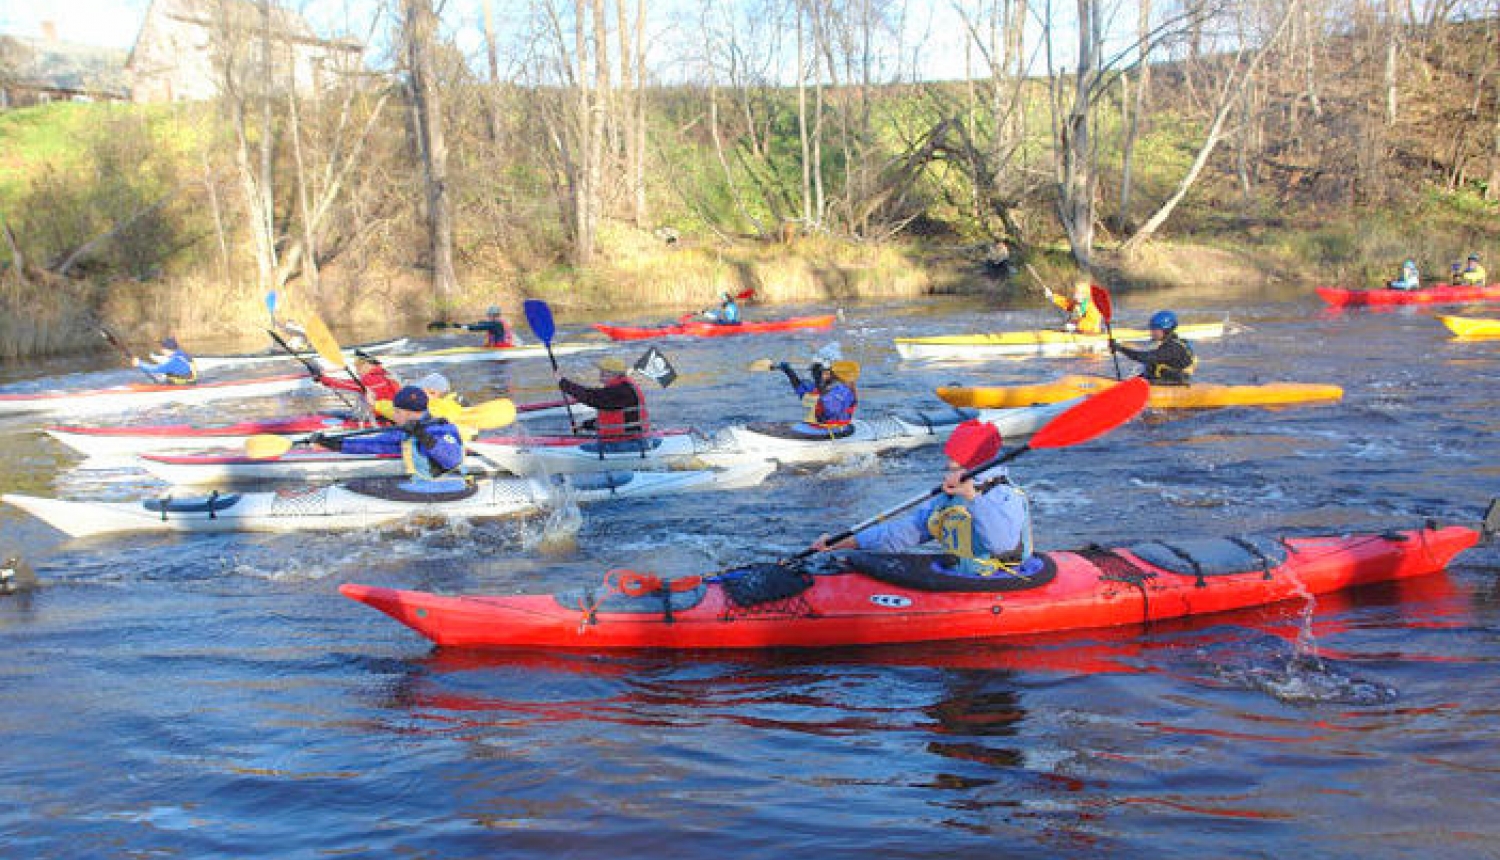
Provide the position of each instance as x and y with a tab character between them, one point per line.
115	23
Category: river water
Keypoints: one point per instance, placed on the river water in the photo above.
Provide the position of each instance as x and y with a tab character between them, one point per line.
214	696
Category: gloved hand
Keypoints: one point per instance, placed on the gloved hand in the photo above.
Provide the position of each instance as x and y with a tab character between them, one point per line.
317	376
782	366
1047	291
331	443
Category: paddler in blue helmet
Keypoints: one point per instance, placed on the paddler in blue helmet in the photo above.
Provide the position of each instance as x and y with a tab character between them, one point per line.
987	530
1171	361
728	312
171	362
431	447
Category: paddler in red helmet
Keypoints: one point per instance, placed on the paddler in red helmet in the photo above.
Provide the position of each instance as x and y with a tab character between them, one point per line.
988	530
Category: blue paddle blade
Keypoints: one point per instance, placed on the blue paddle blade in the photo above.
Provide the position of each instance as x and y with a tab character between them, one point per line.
271	299
539	317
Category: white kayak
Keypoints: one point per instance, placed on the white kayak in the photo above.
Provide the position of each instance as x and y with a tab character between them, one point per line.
464	354
795	442
959	347
217	362
128	441
300	465
525	455
786	442
362	504
146	394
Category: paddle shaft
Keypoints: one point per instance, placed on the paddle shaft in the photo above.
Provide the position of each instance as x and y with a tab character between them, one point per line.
539	317
1107	311
129	356
310	367
911	503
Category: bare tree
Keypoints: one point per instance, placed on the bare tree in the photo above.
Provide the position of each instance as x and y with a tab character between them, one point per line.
427	97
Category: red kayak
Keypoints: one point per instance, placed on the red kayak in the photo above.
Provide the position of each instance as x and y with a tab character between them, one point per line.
689	327
1437	294
861	598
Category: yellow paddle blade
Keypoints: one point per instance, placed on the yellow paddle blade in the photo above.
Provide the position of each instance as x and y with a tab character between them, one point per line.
266	446
490	415
322	340
759	365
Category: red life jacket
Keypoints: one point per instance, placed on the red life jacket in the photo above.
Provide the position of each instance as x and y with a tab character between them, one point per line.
627	423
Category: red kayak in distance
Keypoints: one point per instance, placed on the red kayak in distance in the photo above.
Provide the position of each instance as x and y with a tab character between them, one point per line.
1438	294
689	327
875	599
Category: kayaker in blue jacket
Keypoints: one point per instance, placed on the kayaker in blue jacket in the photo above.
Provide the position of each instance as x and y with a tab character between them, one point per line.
432	448
987	530
728	312
1171	361
829	394
172	363
1410	278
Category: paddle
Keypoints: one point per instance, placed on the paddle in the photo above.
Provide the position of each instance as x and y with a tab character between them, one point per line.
271	300
437	325
328	349
1088	420
312	369
490	415
539	317
130	357
1106	310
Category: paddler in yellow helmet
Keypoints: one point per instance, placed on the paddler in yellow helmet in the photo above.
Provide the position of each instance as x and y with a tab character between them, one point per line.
987	530
1083	314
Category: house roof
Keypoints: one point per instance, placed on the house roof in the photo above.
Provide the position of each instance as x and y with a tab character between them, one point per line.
63	66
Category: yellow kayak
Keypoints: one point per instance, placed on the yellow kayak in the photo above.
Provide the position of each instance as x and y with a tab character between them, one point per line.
1038	342
1199	395
1472	326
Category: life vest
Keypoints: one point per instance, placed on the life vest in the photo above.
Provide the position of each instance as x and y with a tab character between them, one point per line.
1163	372
951	524
628	423
419	464
189	379
815	415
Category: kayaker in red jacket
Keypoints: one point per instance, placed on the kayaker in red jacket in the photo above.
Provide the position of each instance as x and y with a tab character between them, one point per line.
375	382
989	531
620	402
497	332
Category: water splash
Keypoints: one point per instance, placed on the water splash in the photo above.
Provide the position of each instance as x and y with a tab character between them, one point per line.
1290	672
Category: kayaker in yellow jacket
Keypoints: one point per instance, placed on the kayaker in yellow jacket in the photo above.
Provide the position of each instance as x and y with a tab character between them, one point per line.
1473	274
1083	314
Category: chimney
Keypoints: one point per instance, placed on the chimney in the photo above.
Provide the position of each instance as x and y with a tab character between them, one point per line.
49	31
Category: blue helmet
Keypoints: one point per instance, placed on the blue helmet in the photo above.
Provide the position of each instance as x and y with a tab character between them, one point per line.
1164	320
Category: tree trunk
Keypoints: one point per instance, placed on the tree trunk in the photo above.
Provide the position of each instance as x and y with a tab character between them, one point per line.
421	35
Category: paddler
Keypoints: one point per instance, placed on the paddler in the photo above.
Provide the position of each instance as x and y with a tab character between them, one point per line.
431	447
1083	316
1171	361
497	332
728	312
829	395
1410	278
170	362
620	403
1472	274
375	382
987	530
442	402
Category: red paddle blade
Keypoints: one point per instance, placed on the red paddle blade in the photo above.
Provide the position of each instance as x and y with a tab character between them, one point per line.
1095	416
745	295
1101	300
